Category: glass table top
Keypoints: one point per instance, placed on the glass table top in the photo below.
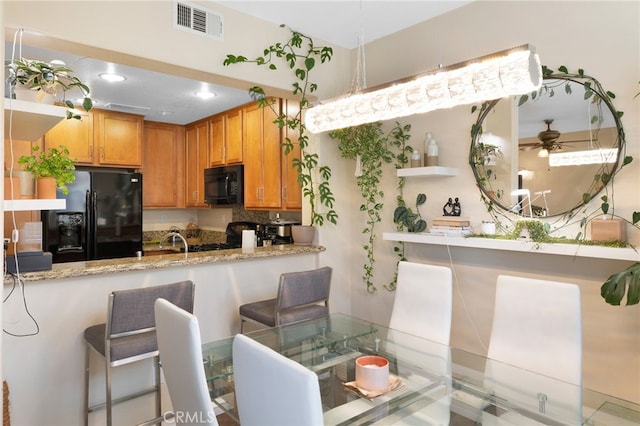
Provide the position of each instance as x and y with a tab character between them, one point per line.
440	384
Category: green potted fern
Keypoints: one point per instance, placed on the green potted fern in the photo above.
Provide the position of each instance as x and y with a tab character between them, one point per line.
52	169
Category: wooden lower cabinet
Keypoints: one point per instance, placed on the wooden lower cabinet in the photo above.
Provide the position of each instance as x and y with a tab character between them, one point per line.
262	151
196	160
163	178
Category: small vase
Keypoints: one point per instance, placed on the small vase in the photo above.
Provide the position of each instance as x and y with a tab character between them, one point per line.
46	188
27	184
303	234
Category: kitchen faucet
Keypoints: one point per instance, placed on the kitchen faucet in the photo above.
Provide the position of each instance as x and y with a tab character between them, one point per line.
174	235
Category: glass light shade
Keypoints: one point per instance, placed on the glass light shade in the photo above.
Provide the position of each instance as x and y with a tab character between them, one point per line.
511	72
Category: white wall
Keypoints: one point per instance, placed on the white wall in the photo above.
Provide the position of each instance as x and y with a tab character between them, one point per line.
600	37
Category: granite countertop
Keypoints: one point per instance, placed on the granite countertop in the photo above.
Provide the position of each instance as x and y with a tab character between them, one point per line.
128	264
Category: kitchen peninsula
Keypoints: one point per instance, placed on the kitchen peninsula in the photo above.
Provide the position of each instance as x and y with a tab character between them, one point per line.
62	302
148	263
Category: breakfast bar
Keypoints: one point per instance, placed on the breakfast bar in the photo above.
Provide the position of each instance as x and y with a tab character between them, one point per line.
59	304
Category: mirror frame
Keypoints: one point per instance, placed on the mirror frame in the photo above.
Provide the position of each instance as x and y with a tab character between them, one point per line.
479	153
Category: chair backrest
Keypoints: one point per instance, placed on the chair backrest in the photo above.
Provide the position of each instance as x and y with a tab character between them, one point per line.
272	390
423	303
537	325
131	311
180	348
300	289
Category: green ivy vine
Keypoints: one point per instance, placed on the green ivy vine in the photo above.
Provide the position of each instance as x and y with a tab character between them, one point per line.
374	148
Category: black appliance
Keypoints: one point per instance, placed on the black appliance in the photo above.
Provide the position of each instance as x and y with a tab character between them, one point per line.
278	232
234	237
102	219
223	186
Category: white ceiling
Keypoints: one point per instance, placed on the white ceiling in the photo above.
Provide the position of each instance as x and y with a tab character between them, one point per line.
171	99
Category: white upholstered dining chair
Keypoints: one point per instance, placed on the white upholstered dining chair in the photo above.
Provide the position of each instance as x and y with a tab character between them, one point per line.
272	390
535	350
180	349
423	303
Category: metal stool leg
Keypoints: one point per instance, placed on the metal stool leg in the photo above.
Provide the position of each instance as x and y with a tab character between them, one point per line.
86	385
156	363
108	394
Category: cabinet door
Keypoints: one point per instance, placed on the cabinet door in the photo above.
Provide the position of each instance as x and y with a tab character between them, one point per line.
261	140
76	136
163	165
196	160
291	190
271	153
119	138
217	140
233	137
252	139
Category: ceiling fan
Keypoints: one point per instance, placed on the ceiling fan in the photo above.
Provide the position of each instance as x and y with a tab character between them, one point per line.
549	140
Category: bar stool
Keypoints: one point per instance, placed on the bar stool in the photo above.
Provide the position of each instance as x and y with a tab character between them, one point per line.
129	335
301	296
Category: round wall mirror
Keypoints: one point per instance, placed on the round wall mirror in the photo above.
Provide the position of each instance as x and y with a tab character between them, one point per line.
550	152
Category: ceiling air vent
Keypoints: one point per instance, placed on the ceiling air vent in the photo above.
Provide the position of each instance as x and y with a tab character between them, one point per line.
197	19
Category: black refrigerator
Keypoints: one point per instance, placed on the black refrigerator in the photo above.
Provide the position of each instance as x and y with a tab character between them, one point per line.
102	218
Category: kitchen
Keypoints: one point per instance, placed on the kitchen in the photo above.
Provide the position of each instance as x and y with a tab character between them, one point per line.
520	23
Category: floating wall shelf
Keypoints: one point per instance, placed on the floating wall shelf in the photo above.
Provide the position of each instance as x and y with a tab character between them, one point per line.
26	205
598	252
427	171
30	120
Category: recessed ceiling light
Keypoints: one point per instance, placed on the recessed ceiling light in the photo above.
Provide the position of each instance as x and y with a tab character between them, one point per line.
205	95
112	77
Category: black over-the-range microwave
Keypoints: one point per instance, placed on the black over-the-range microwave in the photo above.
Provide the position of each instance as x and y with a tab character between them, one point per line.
223	186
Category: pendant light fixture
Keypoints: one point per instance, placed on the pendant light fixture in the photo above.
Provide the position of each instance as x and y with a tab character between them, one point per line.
510	72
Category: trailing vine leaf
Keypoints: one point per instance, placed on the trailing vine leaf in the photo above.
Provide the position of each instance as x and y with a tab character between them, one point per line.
614	288
374	148
301	56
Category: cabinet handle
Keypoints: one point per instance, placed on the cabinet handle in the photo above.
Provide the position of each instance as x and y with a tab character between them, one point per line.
91	152
195	196
284	193
102	152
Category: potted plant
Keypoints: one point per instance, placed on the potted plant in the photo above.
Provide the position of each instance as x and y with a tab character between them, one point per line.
53	166
301	56
48	79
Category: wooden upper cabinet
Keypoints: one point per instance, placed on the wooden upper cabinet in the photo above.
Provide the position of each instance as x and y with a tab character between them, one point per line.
196	160
118	138
262	175
291	189
233	136
163	170
217	140
76	136
225	138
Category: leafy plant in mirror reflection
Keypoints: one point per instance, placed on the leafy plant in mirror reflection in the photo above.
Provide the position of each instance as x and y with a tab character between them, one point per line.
613	290
374	149
301	56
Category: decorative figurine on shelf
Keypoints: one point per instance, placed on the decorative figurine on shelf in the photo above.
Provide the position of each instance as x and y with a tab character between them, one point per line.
452	208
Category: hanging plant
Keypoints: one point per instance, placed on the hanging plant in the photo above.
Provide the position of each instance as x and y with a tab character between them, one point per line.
374	149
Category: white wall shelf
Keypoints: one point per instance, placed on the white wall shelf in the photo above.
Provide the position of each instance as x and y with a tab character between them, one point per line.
427	171
38	204
598	252
30	120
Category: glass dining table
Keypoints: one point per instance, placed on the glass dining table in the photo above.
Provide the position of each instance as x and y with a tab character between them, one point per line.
439	384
